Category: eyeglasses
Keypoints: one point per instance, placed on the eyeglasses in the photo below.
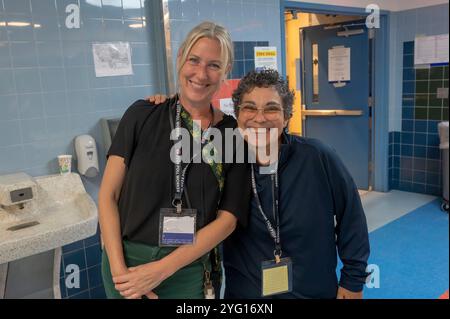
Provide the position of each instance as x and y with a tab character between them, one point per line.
270	112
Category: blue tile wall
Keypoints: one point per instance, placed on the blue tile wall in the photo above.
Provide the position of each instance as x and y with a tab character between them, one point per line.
414	155
244	57
49	94
405	26
250	22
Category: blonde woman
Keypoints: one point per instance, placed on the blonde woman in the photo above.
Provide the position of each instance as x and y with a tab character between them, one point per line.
146	198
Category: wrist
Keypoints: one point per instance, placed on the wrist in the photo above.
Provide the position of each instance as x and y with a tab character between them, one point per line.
167	268
117	270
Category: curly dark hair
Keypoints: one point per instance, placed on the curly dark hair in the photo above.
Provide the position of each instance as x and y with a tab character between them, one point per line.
264	79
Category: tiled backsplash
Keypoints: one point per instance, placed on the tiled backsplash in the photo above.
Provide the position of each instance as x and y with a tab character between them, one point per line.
414	154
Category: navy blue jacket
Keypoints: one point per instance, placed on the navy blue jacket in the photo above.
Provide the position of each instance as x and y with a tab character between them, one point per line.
315	189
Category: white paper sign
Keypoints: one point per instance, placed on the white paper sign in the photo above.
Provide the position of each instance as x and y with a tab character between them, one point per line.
266	58
227	106
339	64
430	50
112	59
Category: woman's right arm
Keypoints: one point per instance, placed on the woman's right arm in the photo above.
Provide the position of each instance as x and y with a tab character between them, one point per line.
109	213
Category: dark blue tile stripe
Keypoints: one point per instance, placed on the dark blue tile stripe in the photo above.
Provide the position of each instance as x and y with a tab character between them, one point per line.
414	154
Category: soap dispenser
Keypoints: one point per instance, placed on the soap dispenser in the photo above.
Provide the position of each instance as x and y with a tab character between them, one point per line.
87	157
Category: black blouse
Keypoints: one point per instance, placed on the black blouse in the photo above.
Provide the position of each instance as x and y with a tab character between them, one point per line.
143	141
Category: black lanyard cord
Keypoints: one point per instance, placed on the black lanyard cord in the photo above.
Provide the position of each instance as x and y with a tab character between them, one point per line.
180	174
274	232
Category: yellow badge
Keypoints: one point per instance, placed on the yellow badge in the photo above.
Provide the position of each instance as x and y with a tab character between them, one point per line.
276	277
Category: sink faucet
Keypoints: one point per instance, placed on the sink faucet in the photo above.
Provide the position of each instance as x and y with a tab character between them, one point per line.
16	190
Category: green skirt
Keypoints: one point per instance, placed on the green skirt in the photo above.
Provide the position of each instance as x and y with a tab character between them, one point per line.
186	283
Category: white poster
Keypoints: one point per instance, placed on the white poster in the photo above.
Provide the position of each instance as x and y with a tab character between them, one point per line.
227	106
430	50
112	59
339	64
266	58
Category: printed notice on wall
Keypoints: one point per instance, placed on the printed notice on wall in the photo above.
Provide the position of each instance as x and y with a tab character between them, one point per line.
266	58
227	106
112	59
431	50
339	64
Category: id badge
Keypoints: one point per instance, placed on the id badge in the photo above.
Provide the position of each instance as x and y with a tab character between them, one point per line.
276	277
176	229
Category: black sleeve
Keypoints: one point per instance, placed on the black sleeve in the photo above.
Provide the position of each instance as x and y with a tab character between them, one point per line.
236	192
127	134
351	226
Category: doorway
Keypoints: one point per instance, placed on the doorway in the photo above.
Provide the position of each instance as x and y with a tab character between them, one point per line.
333	104
379	138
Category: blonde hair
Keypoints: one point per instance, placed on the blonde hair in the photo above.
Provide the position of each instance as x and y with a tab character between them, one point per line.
209	30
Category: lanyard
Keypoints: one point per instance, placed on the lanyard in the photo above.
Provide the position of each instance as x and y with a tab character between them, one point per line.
274	232
180	174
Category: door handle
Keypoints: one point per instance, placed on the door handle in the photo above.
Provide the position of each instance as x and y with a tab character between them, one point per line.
332	112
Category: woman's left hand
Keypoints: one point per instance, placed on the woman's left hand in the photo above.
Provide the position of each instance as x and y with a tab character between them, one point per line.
140	280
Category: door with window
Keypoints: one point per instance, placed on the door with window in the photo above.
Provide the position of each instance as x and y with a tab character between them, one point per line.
336	92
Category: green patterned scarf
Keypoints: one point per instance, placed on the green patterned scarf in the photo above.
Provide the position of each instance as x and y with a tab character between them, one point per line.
196	133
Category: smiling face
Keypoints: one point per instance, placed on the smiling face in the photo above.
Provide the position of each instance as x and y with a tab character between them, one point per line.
259	124
202	73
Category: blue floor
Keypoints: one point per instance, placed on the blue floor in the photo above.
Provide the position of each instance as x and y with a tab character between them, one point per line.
412	254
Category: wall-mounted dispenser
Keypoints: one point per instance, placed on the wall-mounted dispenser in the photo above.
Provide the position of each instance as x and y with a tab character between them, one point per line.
87	156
